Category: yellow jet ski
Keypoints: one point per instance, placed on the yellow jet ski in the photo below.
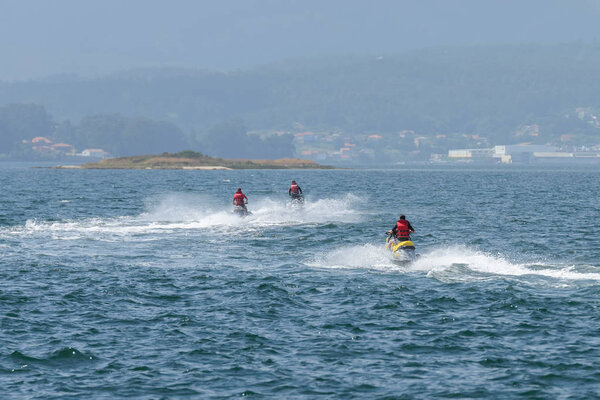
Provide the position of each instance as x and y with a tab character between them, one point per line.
403	252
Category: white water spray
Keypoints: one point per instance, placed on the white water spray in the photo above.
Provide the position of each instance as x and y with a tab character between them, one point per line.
456	263
176	212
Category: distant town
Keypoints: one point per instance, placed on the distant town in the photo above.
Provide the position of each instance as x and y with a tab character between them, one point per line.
335	148
524	154
44	146
530	143
515	105
338	149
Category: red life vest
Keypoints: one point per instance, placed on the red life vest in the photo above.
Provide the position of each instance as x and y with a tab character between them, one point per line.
294	189
238	198
402	228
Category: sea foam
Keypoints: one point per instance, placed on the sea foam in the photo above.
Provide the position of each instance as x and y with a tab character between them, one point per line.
453	263
177	212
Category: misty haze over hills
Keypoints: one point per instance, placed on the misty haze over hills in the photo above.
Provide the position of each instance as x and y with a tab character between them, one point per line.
442	89
40	38
139	76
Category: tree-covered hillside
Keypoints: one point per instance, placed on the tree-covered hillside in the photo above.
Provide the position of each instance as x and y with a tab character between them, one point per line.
491	91
28	132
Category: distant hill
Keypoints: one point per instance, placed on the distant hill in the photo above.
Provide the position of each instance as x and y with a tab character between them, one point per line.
491	91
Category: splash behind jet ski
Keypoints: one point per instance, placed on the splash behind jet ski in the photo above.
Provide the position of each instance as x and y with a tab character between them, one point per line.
241	211
403	251
297	202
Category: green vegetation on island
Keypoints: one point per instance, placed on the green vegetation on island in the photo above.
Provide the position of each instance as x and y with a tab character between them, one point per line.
194	160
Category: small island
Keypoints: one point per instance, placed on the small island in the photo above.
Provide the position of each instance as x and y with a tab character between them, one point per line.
192	160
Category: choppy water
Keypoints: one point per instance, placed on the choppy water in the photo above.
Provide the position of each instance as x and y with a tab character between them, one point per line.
142	284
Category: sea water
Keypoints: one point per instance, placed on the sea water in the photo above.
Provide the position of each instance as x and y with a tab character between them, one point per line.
143	284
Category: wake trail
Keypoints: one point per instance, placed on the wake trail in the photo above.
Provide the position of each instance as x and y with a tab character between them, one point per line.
180	212
455	263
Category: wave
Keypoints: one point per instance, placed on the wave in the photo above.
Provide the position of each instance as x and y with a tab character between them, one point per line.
361	256
64	356
272	212
454	263
176	212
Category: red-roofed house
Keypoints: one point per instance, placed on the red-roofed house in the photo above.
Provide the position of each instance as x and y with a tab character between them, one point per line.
305	136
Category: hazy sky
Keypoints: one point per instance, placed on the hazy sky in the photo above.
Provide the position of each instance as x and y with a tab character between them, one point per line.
44	37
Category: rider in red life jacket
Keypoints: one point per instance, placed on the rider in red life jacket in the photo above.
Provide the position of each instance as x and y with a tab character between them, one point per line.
294	191
240	199
402	230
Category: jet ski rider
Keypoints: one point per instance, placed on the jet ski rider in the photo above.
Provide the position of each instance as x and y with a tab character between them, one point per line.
294	191
402	230
240	199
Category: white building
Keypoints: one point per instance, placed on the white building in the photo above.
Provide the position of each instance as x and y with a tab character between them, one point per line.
97	153
471	154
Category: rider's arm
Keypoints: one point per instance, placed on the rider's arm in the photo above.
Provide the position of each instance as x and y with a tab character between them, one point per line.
410	227
300	190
